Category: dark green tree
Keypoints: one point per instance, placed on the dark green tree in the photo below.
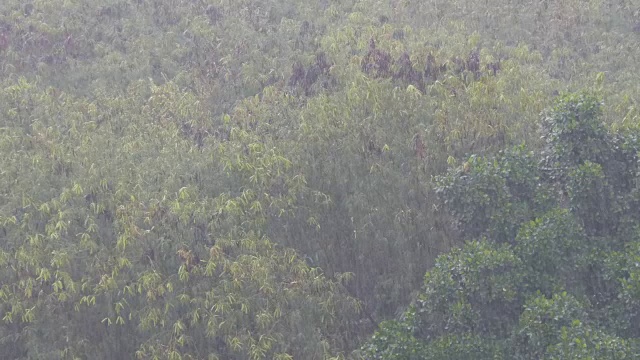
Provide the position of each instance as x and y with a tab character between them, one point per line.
550	275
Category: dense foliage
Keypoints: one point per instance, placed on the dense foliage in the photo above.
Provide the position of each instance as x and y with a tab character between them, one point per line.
547	278
186	179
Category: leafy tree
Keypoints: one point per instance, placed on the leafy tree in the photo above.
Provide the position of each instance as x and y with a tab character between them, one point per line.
181	269
556	289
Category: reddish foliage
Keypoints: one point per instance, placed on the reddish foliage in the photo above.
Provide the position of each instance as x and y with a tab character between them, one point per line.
377	62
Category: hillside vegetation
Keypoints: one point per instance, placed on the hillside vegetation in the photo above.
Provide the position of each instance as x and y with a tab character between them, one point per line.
216	179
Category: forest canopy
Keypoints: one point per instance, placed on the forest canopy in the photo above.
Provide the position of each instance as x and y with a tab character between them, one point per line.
214	179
